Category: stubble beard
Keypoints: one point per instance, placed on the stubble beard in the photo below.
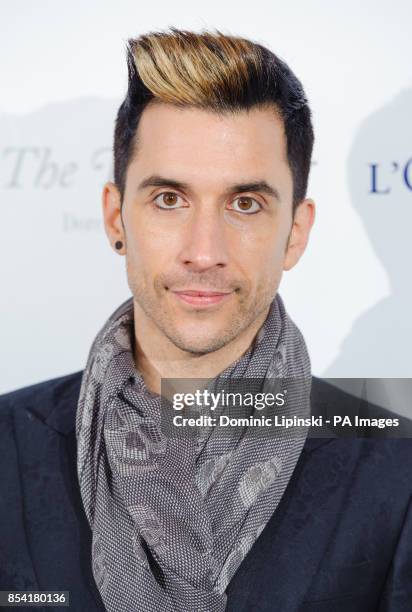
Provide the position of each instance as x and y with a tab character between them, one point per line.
249	308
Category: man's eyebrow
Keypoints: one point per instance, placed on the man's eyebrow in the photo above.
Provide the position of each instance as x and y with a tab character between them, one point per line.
159	181
262	186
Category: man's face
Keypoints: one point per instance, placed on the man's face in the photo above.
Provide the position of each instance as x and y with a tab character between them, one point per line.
208	208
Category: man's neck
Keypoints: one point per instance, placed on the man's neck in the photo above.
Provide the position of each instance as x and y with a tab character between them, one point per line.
156	357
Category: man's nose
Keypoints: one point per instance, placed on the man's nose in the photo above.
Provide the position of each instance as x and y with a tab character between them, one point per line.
204	240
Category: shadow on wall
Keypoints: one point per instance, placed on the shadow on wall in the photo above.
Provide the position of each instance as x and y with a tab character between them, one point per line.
380	182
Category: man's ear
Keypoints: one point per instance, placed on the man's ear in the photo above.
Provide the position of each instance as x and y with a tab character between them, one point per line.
303	220
111	202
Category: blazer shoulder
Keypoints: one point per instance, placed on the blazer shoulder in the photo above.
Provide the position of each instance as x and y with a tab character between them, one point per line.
391	443
41	398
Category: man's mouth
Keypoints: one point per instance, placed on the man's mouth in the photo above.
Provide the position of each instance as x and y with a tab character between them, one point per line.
201	298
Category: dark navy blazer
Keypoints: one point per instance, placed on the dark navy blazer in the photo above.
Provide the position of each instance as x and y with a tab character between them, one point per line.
340	540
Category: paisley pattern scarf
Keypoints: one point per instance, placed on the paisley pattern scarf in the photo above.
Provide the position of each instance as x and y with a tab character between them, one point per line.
173	518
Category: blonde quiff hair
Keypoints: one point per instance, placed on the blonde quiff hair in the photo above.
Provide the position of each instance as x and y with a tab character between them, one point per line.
194	69
217	72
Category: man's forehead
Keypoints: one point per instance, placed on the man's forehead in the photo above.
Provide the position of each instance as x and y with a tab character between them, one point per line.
174	138
183	124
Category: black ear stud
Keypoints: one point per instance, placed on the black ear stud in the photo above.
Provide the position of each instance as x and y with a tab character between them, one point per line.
118	244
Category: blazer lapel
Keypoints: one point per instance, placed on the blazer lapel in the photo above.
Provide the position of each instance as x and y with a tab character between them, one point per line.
280	566
57	530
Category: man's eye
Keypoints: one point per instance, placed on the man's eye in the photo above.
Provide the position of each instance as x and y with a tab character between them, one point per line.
167	200
246	205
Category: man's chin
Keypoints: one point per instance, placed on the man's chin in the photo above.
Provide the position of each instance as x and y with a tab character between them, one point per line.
198	346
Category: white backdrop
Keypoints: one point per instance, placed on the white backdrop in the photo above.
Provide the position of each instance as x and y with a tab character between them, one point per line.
63	75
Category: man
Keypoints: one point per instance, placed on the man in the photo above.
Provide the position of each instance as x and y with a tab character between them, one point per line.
212	152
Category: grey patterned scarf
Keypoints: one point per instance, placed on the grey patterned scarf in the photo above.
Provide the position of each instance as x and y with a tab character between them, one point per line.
173	518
